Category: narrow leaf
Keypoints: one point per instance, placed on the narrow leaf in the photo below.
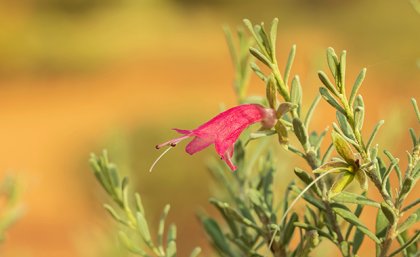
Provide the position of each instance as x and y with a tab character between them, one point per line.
416	108
412	219
143	228
357	240
258	71
171	249
351	218
161	227
332	60
273	33
300	131
284	108
347	197
388	212
375	131
271	92
282	133
356	86
195	252
311	110
289	64
129	245
216	235
331	100
296	92
290	227
327	83
343	69
304	176
257	54
343	148
341	183
414	239
344	125
362	179
114	214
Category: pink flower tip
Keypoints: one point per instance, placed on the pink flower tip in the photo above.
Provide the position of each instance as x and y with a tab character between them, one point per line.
224	130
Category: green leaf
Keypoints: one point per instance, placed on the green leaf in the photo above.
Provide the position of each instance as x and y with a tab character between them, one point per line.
412	219
304	176
271	92
412	204
289	64
273	33
300	131
139	204
311	111
356	86
359	117
309	227
171	249
375	131
310	199
129	245
282	133
331	100
258	71
171	235
327	83
381	227
343	69
257	54
114	214
344	247
195	252
388	212
161	227
407	186
357	240
413	137
260	134
397	167
216	235
362	179
347	197
265	41
351	218
143	228
343	148
232	213
231	46
416	108
341	183
288	230
296	92
346	138
344	125
284	108
414	239
332	60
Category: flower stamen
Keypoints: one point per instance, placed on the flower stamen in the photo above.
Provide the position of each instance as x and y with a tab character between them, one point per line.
160	157
172	142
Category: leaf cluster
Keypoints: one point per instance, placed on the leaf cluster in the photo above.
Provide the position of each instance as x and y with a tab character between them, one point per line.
128	211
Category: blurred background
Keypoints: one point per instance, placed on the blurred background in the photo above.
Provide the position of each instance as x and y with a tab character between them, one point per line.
77	76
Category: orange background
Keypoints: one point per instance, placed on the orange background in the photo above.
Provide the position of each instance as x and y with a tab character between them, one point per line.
78	76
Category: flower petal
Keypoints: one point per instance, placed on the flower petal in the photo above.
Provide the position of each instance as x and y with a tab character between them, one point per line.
198	144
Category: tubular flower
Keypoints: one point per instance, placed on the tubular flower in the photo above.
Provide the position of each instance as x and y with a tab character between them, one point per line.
224	130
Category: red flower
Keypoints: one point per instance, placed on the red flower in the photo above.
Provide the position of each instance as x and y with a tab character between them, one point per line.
224	129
